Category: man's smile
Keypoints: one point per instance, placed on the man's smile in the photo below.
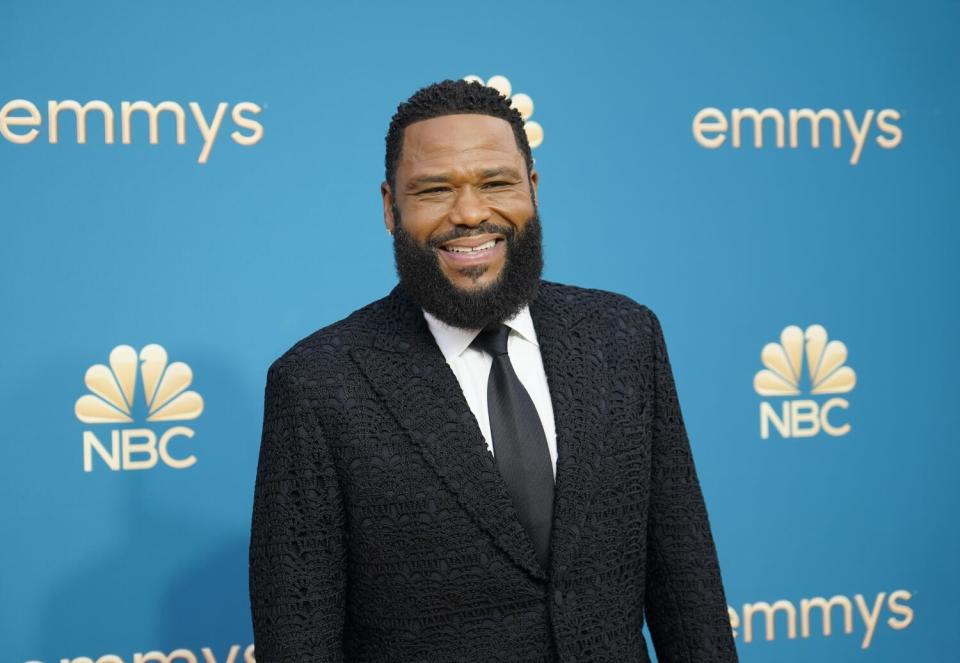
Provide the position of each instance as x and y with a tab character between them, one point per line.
472	251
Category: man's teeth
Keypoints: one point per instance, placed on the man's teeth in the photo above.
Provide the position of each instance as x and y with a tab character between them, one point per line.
468	249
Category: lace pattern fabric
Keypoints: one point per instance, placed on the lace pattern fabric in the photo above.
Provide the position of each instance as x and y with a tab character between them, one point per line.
382	530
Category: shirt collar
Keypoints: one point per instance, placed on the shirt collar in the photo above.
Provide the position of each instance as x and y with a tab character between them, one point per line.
454	340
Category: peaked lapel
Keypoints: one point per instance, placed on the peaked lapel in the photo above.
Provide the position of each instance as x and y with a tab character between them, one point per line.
574	362
408	371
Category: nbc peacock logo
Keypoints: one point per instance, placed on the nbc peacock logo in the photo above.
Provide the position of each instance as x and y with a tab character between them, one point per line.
783	378
522	102
113	400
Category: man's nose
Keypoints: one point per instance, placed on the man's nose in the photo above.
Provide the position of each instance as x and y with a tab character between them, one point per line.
469	208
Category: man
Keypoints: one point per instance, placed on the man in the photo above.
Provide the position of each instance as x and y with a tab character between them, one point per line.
481	466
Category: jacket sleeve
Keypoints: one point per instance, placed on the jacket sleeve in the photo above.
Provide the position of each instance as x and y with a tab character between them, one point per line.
685	604
297	539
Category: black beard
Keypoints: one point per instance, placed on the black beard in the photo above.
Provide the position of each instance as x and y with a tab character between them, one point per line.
421	277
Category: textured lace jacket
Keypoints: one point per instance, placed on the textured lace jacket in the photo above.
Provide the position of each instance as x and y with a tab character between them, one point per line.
382	530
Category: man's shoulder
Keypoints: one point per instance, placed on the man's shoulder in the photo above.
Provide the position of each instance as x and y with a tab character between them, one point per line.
594	305
328	346
624	327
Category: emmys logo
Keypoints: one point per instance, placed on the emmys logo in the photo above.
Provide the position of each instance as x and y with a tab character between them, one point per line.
206	655
207	125
522	102
837	610
782	377
710	127
111	401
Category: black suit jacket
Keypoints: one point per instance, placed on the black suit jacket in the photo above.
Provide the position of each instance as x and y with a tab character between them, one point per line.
382	530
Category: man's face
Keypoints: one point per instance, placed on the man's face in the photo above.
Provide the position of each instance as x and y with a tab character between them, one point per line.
466	235
462	191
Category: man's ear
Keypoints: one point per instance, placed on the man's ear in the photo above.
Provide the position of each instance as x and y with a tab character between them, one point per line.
388	201
534	179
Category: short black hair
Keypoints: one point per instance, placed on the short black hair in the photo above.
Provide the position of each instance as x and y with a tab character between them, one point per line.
452	98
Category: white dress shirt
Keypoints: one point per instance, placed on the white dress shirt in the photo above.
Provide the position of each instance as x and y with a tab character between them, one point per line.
472	368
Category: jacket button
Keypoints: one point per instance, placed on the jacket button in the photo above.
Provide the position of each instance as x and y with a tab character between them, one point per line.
558	598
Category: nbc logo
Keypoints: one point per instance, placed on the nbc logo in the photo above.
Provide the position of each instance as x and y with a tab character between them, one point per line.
111	401
522	102
782	378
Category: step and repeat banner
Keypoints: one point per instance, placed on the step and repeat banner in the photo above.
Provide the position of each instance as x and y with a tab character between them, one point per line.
189	188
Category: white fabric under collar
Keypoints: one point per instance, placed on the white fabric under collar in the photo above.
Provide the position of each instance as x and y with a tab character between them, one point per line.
471	367
454	340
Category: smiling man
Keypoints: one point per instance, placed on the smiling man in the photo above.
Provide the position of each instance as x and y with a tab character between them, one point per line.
468	246
482	466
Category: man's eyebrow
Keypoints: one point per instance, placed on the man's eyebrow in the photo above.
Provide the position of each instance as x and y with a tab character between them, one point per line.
430	179
443	178
504	171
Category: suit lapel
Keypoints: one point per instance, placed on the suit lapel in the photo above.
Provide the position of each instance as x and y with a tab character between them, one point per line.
573	360
408	371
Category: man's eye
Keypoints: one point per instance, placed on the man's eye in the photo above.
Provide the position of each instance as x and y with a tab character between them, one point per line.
436	189
493	185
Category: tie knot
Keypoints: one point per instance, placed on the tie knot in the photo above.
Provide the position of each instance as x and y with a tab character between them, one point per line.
493	340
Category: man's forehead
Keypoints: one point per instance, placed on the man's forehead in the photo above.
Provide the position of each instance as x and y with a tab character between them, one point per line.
464	136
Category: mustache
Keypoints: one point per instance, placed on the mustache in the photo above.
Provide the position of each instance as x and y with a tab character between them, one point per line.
483	228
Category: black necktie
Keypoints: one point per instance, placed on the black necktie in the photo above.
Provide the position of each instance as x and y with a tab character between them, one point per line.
519	443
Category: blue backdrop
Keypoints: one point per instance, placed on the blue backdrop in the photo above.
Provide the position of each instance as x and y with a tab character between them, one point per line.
224	264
